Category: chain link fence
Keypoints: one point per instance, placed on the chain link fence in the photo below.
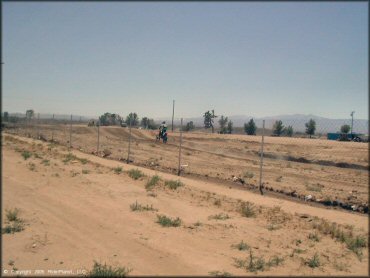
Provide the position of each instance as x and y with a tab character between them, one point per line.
317	170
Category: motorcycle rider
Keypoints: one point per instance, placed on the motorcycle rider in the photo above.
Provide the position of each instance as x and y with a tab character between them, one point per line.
162	129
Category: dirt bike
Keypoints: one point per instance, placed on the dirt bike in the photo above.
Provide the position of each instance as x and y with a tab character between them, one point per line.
162	136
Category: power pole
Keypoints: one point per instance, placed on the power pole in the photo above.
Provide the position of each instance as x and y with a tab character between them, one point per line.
173	112
129	140
352	124
261	162
179	167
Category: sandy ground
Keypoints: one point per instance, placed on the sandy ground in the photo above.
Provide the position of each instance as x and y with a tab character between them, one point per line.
224	156
78	211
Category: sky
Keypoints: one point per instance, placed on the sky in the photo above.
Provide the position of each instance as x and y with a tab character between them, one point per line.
239	58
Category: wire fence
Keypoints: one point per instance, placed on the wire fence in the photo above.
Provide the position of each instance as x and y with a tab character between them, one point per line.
329	172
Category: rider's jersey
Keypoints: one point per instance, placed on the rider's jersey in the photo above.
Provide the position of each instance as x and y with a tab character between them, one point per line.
163	127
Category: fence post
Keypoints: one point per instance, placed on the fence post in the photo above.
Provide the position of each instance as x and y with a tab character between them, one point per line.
70	133
179	168
173	113
129	141
38	126
52	130
97	148
261	163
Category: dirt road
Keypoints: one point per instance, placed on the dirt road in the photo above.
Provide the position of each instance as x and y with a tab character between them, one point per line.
76	209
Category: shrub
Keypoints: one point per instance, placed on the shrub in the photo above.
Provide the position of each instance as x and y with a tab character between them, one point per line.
16	224
353	243
241	246
100	270
173	184
83	160
314	237
32	166
138	207
12	214
275	261
254	264
135	174
117	170
45	162
248	209
314	261
217	202
165	221
152	182
220	216
248	175
69	157
26	155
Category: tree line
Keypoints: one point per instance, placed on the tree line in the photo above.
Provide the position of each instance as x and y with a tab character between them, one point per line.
226	125
132	119
250	128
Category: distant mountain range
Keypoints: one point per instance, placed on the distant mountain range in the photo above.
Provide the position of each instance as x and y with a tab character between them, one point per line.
297	121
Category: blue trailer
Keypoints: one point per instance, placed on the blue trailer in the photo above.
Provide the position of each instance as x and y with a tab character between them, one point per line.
338	135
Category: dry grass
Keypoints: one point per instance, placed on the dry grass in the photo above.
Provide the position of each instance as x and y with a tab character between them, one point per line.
103	270
220	216
165	221
135	174
248	209
153	181
173	184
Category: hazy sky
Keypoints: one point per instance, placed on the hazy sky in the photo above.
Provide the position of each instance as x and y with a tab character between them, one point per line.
258	59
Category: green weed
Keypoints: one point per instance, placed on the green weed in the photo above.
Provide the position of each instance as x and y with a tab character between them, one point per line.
100	270
152	182
135	174
165	221
173	184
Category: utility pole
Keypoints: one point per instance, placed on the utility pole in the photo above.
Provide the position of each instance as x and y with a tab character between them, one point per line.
129	140
261	162
179	167
173	113
52	130
70	133
352	124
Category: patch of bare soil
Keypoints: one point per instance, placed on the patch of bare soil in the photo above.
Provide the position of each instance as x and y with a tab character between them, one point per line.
77	208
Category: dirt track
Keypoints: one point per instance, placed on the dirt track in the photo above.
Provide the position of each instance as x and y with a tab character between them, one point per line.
326	170
73	218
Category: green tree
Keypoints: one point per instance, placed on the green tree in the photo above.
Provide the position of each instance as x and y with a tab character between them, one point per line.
278	128
147	123
310	127
289	131
345	129
134	118
110	119
30	114
223	124
189	126
208	119
152	124
250	128
144	122
229	127
6	117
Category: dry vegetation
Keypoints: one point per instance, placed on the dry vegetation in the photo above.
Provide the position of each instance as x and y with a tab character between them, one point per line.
143	220
329	172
